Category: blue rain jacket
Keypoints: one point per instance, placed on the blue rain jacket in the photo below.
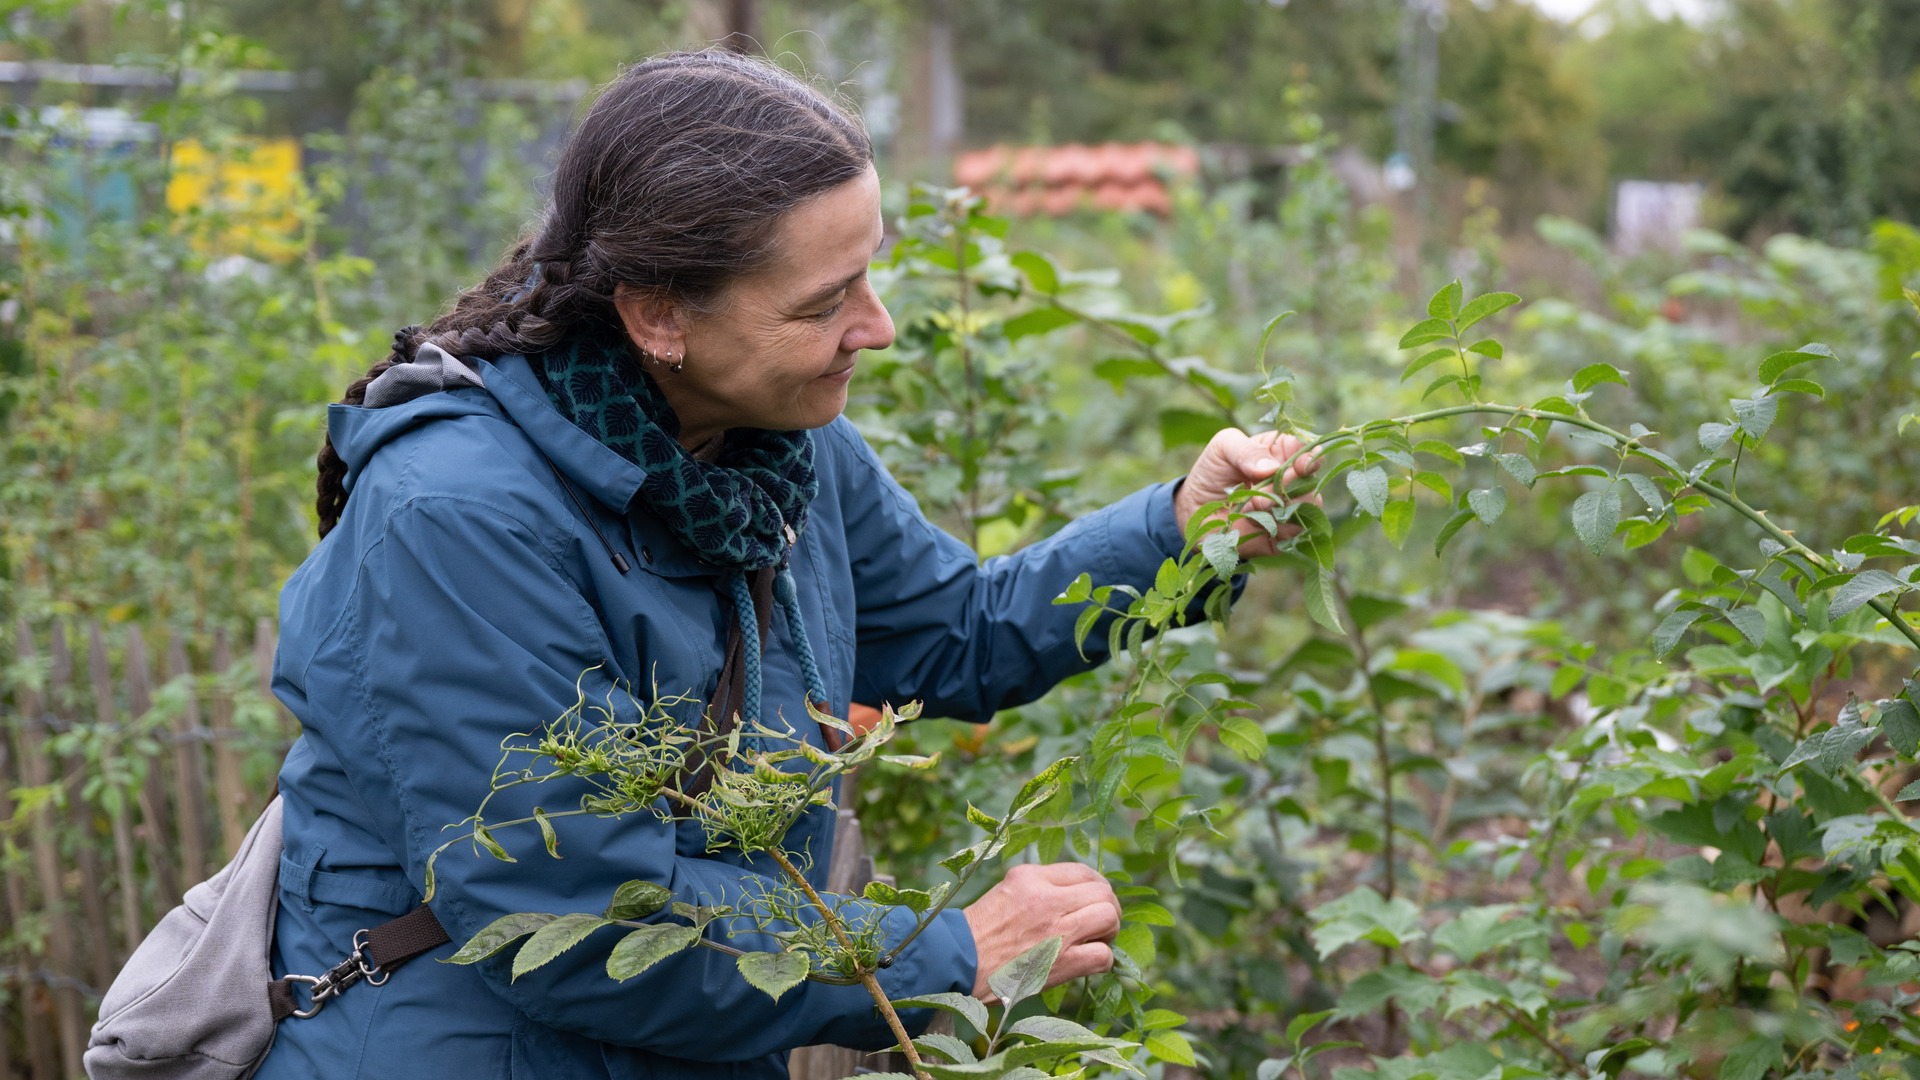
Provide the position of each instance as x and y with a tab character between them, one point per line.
459	600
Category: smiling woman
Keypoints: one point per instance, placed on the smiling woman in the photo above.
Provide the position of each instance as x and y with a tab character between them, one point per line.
619	463
782	349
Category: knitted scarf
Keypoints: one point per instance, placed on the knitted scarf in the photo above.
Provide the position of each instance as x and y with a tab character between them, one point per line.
735	511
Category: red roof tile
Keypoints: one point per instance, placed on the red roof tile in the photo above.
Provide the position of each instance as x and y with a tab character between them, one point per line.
1058	180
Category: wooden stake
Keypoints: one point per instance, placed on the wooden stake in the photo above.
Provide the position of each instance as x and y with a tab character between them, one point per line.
119	803
92	903
35	1027
156	831
189	771
226	757
36	771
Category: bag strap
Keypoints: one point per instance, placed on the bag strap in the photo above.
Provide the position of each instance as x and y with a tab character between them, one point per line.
377	952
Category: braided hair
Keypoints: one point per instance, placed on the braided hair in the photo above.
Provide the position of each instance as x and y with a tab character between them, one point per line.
673	184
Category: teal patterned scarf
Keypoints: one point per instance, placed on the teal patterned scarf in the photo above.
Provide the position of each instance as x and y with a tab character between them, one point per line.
733	512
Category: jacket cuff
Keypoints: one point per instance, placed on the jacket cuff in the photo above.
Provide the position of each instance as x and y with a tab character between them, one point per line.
941	960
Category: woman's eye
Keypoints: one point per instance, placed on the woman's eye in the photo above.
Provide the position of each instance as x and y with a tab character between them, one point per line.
829	313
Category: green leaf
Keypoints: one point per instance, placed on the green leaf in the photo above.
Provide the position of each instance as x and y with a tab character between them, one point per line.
1477	930
1756	415
1518	466
1369	610
1426	360
1780	363
497	935
1148	914
773	974
1318	592
1183	427
546	832
1369	487
1260	354
1171	1046
983	819
1425	333
1243	737
1364	915
947	1046
1594	516
1118	371
1481	307
1800	386
1430	663
1752	1059
493	847
1037	321
1397	522
1137	942
1041	786
1594	374
1440	450
1304	1023
648	946
1865	585
1078	592
1488	348
1435	483
1452	528
1672	628
972	1010
960	860
1040	270
1446	303
1370	993
1648	491
1222	552
638	899
1901	723
1025	975
1713	436
1751	624
1487	504
555	938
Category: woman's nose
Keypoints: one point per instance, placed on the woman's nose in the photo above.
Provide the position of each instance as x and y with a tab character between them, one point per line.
873	329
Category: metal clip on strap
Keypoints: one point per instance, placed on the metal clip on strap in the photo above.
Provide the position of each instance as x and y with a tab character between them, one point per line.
399	940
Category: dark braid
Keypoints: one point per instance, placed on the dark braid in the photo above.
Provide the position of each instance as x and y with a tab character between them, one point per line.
673	184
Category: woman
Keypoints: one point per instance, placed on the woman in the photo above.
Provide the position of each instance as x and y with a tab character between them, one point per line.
620	448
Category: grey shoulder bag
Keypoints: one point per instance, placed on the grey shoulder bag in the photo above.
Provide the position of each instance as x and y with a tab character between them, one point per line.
198	1000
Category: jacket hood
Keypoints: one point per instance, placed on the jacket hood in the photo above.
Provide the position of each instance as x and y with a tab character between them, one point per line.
510	391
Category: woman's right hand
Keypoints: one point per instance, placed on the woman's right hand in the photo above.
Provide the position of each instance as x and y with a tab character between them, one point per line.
1032	903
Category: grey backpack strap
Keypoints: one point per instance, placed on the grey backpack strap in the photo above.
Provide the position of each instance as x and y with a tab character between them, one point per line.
376	953
188	1006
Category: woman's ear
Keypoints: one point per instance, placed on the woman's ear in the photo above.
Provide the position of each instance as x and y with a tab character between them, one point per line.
653	322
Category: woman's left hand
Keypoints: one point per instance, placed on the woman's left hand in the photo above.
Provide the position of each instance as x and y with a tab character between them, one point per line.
1237	459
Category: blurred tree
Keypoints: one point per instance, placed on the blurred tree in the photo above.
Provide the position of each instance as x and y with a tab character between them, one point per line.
1509	108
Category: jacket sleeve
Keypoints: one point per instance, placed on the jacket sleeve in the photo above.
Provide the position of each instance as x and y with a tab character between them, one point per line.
936	625
463	629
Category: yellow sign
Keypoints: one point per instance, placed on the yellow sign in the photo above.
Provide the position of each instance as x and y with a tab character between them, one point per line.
241	197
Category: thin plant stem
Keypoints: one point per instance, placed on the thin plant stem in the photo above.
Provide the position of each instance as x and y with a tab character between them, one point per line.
866	977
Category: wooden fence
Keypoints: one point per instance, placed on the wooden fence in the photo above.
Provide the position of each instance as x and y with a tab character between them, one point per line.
124	779
118	791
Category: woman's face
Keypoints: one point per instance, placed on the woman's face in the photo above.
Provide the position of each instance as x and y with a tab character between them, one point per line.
779	348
